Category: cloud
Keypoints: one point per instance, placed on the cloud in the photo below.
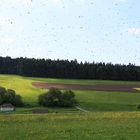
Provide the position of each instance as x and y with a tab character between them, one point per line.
122	1
80	1
135	31
4	20
24	2
74	1
57	1
19	2
7	40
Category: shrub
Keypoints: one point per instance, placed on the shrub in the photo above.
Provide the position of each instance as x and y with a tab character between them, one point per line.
2	90
68	99
56	98
51	98
138	106
9	96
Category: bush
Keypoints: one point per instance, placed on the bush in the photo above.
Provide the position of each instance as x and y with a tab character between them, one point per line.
68	99
138	106
9	96
2	90
56	98
51	98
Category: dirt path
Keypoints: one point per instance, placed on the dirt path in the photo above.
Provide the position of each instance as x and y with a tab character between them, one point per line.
81	109
98	87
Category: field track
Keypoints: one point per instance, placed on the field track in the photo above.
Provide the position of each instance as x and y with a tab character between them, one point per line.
98	87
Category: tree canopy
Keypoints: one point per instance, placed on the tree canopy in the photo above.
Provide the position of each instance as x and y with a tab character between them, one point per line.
56	98
9	96
68	69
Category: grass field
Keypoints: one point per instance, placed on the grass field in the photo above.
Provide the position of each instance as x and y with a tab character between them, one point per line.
108	101
112	115
84	82
90	100
22	86
89	126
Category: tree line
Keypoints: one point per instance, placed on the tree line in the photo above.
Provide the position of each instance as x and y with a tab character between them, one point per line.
68	69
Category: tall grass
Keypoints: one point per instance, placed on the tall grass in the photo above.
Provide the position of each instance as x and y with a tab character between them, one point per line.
91	126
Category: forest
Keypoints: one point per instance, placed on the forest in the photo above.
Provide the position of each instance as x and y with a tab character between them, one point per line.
68	69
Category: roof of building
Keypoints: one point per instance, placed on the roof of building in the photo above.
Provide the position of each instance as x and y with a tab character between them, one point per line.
6	106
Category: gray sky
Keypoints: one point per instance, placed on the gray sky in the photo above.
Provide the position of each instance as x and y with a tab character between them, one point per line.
86	30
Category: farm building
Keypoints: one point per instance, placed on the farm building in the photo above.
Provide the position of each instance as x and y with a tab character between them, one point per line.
7	108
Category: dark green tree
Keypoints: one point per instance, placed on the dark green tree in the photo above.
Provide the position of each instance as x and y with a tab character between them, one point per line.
68	99
9	96
56	98
68	69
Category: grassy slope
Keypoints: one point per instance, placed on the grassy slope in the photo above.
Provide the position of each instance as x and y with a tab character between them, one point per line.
90	100
22	86
97	126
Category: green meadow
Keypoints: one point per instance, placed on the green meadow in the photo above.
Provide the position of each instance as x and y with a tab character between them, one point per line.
89	100
111	115
22	86
80	126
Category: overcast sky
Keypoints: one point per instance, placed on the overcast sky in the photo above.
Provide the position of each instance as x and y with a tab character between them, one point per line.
86	30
